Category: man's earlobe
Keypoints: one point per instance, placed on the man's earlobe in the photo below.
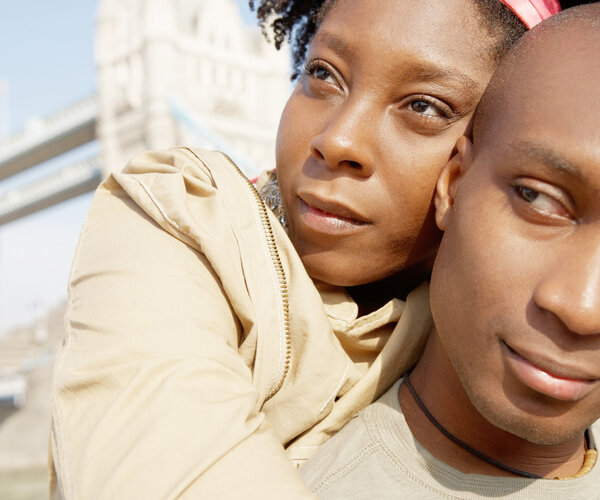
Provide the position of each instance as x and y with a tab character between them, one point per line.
448	181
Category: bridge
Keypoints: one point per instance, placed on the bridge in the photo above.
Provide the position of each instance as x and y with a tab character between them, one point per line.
167	77
41	141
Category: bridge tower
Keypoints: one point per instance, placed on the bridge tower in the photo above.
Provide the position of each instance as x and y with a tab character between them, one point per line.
166	64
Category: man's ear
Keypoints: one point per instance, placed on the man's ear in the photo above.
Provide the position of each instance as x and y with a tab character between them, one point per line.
447	184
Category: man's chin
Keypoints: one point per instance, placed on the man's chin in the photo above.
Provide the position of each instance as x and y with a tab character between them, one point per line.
544	432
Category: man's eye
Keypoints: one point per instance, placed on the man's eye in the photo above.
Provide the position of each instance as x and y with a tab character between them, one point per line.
528	194
542	202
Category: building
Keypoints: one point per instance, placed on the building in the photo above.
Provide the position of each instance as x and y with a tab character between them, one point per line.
186	72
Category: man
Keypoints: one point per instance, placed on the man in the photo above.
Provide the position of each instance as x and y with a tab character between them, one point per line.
506	396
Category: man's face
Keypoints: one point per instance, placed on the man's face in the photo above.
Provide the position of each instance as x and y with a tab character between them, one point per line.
516	287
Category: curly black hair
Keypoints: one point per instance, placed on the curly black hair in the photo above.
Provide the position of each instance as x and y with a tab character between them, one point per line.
297	21
291	20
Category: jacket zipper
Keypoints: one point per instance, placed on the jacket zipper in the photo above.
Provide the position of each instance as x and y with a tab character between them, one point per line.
281	277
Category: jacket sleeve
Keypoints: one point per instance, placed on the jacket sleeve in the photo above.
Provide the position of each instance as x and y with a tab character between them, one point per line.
151	398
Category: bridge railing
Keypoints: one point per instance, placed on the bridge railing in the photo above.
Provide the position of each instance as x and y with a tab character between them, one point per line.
67	183
46	138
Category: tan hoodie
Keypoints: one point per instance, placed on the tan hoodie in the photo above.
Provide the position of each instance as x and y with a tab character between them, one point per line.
198	352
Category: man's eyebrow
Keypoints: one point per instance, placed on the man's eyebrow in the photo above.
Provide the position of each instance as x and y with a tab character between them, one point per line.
548	157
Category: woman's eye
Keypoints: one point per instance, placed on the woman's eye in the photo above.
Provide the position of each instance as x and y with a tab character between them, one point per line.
320	72
425	114
542	202
424	108
429	108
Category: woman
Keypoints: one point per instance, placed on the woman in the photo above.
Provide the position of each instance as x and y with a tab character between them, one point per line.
201	339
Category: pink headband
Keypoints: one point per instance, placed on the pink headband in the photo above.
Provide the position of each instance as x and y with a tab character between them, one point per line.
532	12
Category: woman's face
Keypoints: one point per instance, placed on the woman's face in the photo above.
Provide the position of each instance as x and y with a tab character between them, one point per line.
389	86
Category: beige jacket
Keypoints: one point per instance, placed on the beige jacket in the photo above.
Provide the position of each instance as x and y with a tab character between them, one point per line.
198	352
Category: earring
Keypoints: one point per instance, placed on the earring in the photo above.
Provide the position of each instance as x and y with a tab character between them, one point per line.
271	195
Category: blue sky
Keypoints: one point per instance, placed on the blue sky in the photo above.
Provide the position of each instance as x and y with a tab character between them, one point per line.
46	55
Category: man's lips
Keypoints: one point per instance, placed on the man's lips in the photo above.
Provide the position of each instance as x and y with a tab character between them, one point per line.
571	387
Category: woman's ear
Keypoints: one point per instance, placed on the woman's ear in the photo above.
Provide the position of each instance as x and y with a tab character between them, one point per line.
447	184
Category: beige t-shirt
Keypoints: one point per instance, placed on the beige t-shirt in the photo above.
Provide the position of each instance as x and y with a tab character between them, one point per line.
376	456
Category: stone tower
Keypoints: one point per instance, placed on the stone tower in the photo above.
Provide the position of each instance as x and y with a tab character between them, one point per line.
186	72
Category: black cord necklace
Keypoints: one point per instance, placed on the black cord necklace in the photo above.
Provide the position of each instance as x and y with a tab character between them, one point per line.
460	443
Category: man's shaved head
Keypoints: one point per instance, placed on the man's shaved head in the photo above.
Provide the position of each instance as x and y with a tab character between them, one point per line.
559	52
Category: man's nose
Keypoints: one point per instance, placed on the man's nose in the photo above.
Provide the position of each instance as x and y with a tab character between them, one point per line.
571	288
348	139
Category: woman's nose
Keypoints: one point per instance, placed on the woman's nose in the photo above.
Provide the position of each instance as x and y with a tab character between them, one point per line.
571	288
348	139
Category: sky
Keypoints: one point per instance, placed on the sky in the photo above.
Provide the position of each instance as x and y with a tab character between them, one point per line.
47	59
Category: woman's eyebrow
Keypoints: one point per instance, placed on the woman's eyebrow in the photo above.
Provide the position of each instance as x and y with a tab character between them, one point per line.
335	43
423	70
426	71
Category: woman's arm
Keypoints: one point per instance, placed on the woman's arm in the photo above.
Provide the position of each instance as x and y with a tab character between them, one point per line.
151	397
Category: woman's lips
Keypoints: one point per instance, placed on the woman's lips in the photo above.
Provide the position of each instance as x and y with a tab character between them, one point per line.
329	217
543	382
